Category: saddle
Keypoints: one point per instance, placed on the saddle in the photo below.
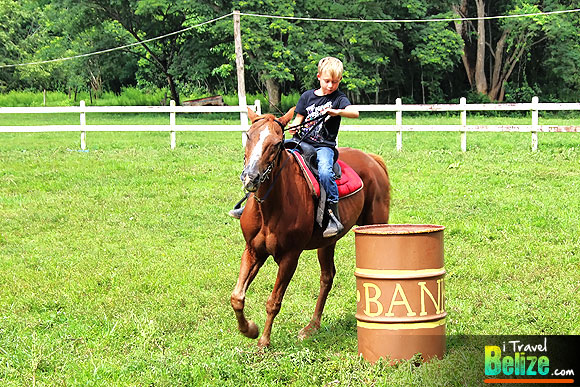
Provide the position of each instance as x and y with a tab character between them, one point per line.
347	180
308	153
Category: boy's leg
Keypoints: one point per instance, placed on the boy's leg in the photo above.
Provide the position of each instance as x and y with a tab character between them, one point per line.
325	158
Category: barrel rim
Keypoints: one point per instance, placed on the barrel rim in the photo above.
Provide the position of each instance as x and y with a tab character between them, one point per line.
398	229
388	274
432	321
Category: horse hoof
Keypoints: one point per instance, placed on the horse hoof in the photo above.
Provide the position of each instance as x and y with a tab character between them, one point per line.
251	331
307	331
263	343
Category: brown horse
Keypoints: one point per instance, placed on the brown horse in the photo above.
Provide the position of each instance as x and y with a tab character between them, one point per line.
279	218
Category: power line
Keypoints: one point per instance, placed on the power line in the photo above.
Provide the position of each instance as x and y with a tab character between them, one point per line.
412	20
302	19
120	47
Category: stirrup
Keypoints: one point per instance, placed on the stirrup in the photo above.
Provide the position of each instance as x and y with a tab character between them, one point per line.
236	212
334	226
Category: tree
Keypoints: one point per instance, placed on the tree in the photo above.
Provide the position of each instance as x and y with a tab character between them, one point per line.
494	50
554	65
20	36
366	49
437	49
144	20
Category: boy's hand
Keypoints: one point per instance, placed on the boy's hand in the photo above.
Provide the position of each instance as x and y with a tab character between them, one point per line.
348	112
293	128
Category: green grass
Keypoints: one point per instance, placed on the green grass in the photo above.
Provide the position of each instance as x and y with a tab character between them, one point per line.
128	96
117	264
31	119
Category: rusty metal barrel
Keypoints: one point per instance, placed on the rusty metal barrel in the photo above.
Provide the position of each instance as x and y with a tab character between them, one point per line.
400	291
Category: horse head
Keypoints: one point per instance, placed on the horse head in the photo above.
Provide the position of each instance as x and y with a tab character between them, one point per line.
265	139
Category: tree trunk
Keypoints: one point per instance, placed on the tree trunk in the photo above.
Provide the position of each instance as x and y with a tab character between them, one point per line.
498	66
480	78
502	60
461	28
378	86
273	89
422	85
173	90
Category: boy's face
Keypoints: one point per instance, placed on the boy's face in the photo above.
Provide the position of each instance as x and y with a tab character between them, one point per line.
328	84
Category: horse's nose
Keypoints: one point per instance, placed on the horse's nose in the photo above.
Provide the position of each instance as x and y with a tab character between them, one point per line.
250	180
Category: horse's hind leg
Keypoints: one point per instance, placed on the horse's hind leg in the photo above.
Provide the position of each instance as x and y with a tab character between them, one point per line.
286	268
327	272
249	267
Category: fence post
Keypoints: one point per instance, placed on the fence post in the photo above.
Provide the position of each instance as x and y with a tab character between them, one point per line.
172	125
83	124
399	123
462	103
535	123
258	107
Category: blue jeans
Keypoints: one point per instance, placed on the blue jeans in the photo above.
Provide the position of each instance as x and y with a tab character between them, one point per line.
325	157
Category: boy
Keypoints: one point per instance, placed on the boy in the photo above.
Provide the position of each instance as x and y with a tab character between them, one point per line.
312	104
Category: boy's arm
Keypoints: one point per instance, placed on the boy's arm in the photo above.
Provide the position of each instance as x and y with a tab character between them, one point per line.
349	112
297	121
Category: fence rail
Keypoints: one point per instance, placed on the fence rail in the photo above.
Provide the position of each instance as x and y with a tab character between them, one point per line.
462	126
398	108
172	128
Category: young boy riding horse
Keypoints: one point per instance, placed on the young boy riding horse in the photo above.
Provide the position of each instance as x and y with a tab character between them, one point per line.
321	133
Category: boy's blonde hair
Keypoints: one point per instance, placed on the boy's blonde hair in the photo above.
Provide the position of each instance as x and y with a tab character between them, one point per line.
332	65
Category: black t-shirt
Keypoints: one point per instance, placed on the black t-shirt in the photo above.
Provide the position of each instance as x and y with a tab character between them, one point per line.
312	106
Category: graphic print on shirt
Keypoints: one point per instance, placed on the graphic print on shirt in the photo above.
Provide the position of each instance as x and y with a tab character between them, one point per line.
313	112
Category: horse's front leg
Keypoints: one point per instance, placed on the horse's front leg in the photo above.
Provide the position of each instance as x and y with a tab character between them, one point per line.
327	272
249	267
286	268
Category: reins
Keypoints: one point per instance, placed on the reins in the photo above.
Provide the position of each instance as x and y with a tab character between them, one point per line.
268	170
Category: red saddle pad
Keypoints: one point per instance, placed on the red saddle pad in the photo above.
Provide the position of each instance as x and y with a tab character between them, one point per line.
348	184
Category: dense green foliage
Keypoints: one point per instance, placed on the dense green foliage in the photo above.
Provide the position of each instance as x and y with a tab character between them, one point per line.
421	62
117	264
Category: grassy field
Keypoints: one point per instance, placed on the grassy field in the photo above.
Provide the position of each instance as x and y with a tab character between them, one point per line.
117	264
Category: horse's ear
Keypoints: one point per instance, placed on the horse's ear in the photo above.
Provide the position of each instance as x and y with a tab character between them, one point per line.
287	117
252	115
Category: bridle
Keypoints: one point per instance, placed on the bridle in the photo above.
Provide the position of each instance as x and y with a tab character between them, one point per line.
270	166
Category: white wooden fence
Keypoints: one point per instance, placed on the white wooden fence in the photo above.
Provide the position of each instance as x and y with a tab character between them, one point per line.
534	128
172	128
535	107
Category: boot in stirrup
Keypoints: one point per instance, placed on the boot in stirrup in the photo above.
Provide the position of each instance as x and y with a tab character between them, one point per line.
239	208
334	226
237	212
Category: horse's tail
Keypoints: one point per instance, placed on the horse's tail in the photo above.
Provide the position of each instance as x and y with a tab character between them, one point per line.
383	165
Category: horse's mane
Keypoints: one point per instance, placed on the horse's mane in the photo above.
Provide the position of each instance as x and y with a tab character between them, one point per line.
267	116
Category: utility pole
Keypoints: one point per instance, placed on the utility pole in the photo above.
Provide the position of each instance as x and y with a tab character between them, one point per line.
240	71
